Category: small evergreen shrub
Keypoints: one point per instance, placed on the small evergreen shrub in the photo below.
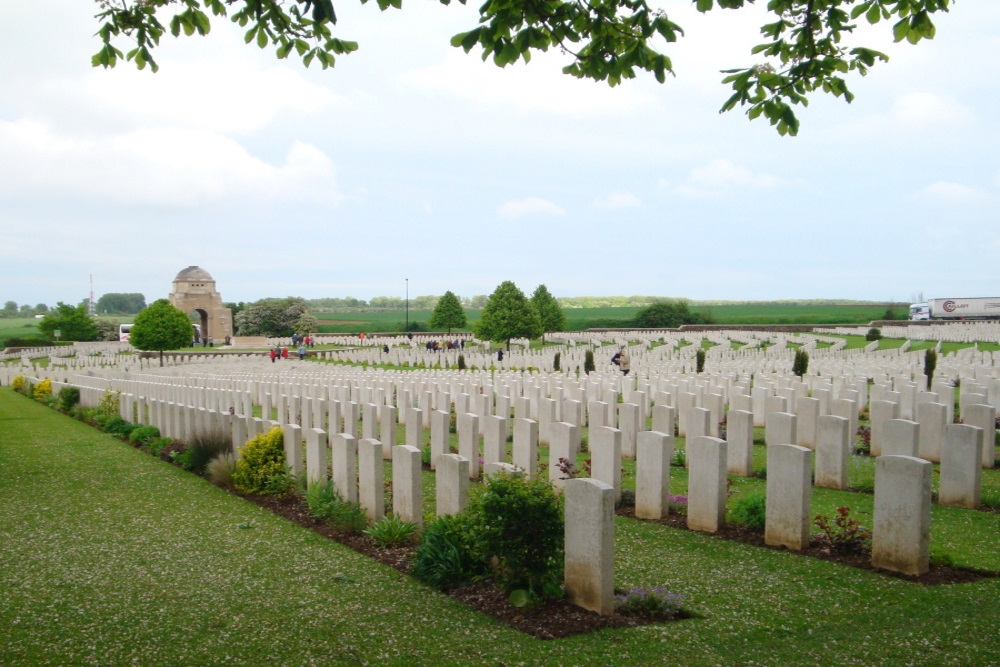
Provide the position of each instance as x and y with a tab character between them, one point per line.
326	505
446	557
588	362
120	427
43	390
69	397
20	384
801	363
699	360
461	362
557	361
750	510
517	524
261	468
930	364
873	334
391	531
627	498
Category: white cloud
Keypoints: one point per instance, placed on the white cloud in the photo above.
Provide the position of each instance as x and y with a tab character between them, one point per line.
720	176
156	166
231	97
921	110
618	200
530	206
955	193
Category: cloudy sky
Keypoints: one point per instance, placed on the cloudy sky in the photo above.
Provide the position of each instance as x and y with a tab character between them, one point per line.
412	160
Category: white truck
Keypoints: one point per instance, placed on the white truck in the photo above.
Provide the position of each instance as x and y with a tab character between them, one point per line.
982	308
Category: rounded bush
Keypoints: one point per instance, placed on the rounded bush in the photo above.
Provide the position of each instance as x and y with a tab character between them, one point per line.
261	468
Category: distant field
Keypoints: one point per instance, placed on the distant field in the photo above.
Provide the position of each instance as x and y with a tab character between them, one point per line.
576	318
585	318
762	313
18	327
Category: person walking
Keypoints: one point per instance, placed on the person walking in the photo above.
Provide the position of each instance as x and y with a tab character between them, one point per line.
624	361
274	355
284	353
302	352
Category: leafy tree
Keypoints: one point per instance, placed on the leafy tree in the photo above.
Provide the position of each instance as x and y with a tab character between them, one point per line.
448	313
10	309
116	303
26	309
276	318
551	313
508	314
666	314
235	308
106	330
41	308
161	326
73	322
806	48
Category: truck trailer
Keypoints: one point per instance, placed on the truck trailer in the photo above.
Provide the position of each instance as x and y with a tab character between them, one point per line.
981	308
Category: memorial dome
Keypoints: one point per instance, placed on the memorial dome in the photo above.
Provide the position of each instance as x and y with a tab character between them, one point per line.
194	274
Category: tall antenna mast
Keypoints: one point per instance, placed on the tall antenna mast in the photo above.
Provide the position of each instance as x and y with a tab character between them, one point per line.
92	307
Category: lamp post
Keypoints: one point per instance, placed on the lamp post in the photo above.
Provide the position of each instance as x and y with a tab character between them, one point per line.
407	304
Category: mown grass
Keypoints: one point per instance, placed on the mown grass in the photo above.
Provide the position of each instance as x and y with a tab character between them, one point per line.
111	556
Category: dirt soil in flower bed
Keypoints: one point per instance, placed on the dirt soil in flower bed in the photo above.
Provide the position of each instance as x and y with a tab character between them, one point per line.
937	575
550	620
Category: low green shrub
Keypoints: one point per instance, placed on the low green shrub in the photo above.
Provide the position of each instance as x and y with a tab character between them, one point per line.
27	342
446	557
261	468
118	426
143	435
326	505
750	510
391	531
69	397
873	334
156	446
517	524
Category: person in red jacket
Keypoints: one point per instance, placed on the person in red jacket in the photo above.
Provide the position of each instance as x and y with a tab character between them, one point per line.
284	353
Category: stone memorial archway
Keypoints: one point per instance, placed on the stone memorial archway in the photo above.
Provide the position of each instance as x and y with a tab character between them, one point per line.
194	292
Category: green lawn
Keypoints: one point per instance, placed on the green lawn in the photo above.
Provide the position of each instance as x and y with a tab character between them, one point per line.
110	556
